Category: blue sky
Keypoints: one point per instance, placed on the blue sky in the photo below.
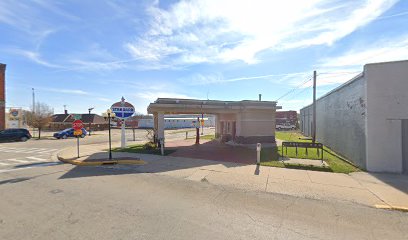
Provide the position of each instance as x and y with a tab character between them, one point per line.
91	53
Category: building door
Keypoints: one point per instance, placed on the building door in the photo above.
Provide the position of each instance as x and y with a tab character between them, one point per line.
405	146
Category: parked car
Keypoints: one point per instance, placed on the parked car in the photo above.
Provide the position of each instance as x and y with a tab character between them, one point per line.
69	132
14	134
287	126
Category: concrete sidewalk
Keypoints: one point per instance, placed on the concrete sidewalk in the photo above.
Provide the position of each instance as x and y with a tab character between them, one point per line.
376	190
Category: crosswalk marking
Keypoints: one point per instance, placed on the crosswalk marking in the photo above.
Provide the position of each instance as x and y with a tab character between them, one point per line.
36	158
28	167
27	150
27	160
17	160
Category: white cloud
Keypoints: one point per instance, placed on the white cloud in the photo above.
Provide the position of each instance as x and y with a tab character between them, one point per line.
153	95
379	51
65	91
224	30
200	79
35	57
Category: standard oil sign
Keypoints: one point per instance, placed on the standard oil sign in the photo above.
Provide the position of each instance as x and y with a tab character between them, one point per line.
123	109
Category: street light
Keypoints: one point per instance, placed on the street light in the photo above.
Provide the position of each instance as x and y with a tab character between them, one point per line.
109	115
89	110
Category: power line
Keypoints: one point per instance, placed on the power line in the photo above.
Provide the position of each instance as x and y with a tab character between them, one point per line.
295	88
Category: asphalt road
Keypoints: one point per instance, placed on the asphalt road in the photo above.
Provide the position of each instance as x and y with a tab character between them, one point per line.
67	202
36	153
41	199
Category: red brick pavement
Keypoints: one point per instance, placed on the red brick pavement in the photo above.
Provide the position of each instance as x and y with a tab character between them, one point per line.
212	150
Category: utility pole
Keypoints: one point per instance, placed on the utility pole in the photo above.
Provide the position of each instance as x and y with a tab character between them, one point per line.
314	108
33	109
90	119
33	101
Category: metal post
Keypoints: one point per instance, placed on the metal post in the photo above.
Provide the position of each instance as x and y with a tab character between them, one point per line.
202	124
186	134
33	110
198	131
258	153
314	108
89	110
123	137
78	145
110	145
33	101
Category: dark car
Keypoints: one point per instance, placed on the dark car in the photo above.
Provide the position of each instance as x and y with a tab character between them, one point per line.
69	132
14	134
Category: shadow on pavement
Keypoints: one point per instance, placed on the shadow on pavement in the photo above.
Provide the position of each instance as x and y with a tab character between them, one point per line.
90	171
207	156
213	150
14	180
398	181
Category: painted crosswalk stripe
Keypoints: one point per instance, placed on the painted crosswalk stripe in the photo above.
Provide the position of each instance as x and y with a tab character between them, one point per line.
4	164
17	160
36	158
49	150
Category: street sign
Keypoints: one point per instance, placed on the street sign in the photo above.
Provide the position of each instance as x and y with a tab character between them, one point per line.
78	132
77	125
123	109
77	116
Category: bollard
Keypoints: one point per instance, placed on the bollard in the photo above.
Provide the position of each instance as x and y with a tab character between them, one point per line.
258	153
162	146
186	134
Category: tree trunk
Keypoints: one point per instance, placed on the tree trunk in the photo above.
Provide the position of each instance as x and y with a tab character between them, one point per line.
39	133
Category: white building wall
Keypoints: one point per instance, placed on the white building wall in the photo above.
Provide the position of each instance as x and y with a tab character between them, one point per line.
340	120
387	106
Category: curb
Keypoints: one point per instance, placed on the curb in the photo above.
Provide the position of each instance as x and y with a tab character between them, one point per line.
390	207
73	161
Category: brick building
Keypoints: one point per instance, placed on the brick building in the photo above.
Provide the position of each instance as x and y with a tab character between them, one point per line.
286	117
63	121
2	96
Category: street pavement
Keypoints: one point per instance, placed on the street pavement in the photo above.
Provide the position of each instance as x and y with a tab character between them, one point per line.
37	153
73	202
370	189
24	157
175	198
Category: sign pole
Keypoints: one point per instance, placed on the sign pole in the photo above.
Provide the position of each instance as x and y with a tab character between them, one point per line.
123	137
202	123
78	145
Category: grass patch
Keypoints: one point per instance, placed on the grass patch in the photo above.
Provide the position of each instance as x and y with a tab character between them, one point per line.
180	131
204	137
141	148
336	162
290	136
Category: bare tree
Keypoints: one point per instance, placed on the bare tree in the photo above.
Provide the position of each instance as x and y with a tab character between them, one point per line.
40	118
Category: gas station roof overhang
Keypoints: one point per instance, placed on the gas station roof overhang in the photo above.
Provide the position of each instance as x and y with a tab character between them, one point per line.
191	106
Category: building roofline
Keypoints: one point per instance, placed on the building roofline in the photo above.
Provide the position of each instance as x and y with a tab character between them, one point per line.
355	78
204	101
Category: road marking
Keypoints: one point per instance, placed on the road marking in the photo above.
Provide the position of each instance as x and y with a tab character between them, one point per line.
17	160
28	167
4	164
36	158
28	150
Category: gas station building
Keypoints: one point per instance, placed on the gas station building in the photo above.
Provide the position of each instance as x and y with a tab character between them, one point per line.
242	122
